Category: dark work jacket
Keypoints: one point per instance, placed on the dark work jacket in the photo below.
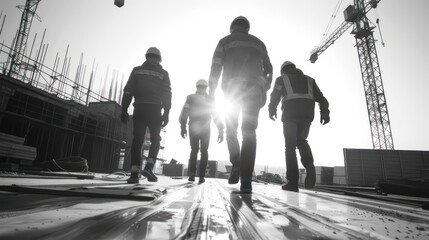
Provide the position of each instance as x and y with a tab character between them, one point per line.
149	84
244	60
199	108
300	105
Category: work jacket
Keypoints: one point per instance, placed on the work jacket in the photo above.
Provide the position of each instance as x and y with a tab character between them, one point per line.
199	108
149	84
298	93
244	60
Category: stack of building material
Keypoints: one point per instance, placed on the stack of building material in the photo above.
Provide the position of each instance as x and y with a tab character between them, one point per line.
172	169
340	175
417	187
324	175
13	148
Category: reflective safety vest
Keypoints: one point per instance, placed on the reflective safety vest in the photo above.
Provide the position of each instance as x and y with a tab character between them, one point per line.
290	94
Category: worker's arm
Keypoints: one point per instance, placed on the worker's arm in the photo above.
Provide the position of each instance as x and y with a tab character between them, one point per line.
128	92
276	95
127	97
268	70
323	104
166	99
217	119
216	68
183	118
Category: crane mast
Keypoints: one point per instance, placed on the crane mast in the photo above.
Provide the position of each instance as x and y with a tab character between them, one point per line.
20	43
370	69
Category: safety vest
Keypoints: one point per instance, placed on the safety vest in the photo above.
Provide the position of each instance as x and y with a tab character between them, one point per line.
290	94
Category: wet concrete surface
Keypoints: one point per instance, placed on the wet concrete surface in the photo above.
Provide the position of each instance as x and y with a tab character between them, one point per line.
212	210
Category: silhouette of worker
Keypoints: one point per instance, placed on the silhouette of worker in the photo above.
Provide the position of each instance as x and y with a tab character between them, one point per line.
247	76
199	108
298	93
149	84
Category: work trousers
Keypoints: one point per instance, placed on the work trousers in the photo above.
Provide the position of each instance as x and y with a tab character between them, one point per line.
249	101
199	137
146	116
296	132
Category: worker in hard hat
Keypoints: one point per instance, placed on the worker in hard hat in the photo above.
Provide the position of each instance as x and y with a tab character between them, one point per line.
298	93
149	84
246	78
199	109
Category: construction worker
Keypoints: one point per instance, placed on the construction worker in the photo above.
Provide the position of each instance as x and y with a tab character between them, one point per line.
247	76
298	93
199	108
149	84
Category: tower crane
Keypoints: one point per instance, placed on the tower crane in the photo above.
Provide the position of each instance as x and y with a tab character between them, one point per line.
20	43
373	85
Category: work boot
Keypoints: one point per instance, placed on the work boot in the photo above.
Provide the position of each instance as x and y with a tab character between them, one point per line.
290	187
246	186
149	175
202	180
191	178
310	177
134	178
234	176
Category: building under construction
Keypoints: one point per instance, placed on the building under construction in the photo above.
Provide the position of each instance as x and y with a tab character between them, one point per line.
50	121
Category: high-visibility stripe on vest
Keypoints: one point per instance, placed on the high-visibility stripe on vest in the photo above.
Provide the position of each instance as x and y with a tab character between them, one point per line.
235	44
292	95
150	73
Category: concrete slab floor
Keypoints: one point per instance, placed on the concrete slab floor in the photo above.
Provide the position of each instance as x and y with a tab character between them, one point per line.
212	210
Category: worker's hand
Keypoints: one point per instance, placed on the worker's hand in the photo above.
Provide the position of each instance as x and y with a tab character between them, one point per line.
324	118
273	114
164	118
124	116
220	137
183	133
211	93
268	79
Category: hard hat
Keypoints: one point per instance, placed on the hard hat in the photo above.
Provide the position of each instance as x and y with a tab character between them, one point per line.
285	64
154	51
241	21
202	83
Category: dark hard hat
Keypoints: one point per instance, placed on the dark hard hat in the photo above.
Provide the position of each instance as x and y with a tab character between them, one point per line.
287	64
154	51
240	21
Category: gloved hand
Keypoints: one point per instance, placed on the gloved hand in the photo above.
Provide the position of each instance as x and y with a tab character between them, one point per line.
124	116
269	79
211	93
273	114
220	137
183	133
164	118
324	118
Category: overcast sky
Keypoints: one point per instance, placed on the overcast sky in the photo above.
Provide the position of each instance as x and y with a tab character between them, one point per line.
187	32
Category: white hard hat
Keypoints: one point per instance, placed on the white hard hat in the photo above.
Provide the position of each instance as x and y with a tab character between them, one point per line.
154	51
202	83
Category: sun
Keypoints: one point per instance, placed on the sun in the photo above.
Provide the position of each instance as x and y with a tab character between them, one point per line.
222	107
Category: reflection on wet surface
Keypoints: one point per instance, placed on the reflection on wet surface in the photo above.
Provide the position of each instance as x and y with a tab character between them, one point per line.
213	210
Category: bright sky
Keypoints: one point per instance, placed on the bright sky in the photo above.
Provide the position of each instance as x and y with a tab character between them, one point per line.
187	32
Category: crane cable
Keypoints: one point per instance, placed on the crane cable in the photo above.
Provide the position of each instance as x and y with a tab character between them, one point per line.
331	21
379	30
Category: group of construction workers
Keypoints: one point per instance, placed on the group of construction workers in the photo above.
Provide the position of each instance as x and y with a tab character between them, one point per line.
247	73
